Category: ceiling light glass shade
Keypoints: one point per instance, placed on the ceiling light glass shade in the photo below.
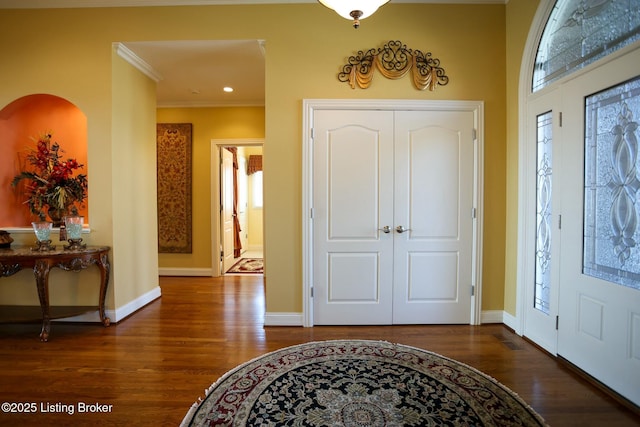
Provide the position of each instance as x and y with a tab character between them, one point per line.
346	8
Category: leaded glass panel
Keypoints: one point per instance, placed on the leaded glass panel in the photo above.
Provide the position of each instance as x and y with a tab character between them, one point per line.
612	185
580	32
543	212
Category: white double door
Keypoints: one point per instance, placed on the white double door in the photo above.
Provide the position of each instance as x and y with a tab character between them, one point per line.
393	216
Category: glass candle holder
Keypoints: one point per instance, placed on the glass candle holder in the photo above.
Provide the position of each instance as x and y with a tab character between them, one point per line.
42	230
73	224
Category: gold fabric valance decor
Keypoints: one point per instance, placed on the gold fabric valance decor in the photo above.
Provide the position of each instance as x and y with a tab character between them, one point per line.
255	164
394	60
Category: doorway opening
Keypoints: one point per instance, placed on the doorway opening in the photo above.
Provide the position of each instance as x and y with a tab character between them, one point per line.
237	207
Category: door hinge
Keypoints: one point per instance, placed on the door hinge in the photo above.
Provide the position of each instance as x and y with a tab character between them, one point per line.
557	322
311	213
312	292
473	213
474	134
560	119
221	255
473	290
313	134
559	222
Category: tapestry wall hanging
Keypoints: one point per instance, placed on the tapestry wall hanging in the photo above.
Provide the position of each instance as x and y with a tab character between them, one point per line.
174	187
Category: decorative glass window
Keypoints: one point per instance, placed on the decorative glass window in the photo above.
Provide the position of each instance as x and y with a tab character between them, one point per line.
544	138
256	189
580	32
612	185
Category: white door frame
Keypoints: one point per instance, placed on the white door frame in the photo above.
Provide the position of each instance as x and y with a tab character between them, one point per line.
216	238
311	105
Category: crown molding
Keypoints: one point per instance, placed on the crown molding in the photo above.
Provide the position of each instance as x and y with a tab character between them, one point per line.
133	59
60	4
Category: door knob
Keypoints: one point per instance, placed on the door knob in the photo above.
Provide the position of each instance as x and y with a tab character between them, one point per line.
400	229
386	229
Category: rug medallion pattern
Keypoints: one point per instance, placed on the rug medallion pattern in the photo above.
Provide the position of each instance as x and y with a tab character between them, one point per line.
248	265
359	383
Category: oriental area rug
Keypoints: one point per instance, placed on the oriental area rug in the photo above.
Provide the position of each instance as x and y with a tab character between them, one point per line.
248	265
358	383
173	153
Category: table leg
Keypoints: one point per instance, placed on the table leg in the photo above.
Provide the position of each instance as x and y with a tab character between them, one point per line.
105	270
41	271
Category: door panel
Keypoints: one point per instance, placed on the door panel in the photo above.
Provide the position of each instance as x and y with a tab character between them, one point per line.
353	277
353	199
353	183
434	182
442	271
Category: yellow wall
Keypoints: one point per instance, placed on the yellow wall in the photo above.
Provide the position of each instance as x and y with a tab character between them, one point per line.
520	14
208	124
306	46
133	153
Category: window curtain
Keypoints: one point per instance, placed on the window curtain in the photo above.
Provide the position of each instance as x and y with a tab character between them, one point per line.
255	164
237	243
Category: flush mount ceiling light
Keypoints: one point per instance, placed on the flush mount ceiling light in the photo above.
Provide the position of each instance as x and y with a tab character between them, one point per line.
354	9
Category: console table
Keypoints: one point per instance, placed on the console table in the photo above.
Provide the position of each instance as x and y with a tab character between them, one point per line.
17	258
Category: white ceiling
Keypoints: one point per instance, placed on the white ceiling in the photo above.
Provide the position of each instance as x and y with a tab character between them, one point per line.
193	73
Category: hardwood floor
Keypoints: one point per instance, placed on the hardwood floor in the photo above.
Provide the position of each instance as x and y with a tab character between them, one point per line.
152	366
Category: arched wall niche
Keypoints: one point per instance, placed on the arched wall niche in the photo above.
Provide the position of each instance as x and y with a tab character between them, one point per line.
21	123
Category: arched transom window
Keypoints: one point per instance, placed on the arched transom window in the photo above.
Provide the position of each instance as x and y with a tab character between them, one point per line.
580	32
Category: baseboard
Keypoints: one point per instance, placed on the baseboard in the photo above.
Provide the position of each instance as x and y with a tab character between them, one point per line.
295	319
510	321
283	319
128	309
118	314
491	316
187	272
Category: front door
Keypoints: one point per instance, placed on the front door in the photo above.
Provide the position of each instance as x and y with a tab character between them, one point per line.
393	216
599	323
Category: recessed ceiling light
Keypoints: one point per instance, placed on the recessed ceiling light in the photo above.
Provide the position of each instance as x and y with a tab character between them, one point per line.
227	89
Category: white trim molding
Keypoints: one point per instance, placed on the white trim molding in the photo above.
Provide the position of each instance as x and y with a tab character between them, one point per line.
131	307
118	314
137	62
283	319
52	4
297	319
187	272
309	106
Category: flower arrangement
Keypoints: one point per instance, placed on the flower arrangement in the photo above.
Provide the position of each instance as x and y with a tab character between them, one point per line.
52	184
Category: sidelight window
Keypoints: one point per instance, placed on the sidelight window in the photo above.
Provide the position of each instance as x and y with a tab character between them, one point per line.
543	212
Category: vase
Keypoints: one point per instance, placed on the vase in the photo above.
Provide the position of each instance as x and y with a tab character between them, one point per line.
57	216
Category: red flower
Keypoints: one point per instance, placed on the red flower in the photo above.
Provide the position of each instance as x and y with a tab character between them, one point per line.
52	183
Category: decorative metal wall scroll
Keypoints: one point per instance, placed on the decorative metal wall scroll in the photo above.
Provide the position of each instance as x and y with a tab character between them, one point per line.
394	60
